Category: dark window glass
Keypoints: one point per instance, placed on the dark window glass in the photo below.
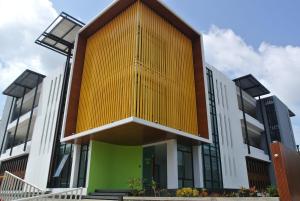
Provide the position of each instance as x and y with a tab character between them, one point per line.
82	165
211	152
185	166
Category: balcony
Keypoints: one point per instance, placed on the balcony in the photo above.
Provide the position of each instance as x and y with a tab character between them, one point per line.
256	153
27	104
17	151
24	119
249	101
21	133
253	124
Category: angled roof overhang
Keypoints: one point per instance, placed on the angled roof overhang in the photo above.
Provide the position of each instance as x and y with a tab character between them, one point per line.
291	113
26	81
118	6
133	131
251	86
61	33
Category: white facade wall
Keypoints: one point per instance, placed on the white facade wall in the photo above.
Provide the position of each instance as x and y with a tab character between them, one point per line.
43	134
4	119
234	168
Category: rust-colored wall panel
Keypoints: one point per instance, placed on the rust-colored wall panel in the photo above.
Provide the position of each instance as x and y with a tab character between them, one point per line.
287	171
73	101
200	89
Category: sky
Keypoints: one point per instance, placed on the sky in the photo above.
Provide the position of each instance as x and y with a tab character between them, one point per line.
240	37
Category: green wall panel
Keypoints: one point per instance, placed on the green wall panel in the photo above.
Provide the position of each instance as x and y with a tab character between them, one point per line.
111	166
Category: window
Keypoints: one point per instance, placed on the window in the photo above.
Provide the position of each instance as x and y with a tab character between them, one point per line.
226	96
212	170
222	95
17	166
226	131
61	170
272	120
185	166
258	173
221	128
61	165
217	87
230	132
83	160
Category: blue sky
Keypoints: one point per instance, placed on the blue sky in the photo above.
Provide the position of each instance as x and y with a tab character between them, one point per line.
240	37
271	21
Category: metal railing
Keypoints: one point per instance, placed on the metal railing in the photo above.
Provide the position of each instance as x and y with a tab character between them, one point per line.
13	188
74	194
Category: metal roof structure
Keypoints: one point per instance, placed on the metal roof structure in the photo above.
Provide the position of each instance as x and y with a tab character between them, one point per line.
251	85
61	33
291	113
26	81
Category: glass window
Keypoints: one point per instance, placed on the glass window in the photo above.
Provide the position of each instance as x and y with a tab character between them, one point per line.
211	152
61	165
82	165
185	166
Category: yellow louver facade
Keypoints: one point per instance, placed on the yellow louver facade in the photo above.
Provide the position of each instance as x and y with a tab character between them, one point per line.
138	65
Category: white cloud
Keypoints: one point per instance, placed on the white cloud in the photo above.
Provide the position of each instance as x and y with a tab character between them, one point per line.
297	132
21	22
277	67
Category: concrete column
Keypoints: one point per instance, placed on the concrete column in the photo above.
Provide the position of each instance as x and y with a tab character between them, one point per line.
197	166
172	165
88	164
75	165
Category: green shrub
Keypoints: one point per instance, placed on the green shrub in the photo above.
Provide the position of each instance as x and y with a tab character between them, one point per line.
245	192
136	186
187	192
272	191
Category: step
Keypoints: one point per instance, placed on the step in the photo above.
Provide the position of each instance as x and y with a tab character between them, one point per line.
112	191
94	200
109	194
89	197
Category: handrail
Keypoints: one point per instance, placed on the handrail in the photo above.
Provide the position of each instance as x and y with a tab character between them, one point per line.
74	194
13	187
6	172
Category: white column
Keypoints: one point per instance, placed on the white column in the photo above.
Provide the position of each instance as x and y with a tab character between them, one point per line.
172	164
75	165
197	165
88	164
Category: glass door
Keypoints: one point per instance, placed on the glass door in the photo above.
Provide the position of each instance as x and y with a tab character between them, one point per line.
155	166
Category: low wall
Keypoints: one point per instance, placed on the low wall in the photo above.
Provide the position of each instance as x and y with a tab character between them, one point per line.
287	166
201	199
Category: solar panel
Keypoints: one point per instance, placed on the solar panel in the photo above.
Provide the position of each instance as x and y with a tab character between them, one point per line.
60	35
26	81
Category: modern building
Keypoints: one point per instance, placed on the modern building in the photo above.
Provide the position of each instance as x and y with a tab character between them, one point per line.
137	100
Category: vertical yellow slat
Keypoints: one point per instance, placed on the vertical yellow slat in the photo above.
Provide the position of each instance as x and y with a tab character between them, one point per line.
148	74
167	77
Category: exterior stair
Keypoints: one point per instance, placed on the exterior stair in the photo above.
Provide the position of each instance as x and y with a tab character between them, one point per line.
107	195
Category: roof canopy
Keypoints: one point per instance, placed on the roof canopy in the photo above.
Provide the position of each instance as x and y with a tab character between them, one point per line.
251	85
60	35
291	113
26	81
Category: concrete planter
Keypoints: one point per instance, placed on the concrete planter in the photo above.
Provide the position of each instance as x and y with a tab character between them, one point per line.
201	199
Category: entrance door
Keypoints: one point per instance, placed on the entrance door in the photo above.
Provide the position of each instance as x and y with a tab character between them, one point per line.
155	166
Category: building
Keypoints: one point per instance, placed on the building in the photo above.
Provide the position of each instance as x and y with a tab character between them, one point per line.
136	100
278	125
